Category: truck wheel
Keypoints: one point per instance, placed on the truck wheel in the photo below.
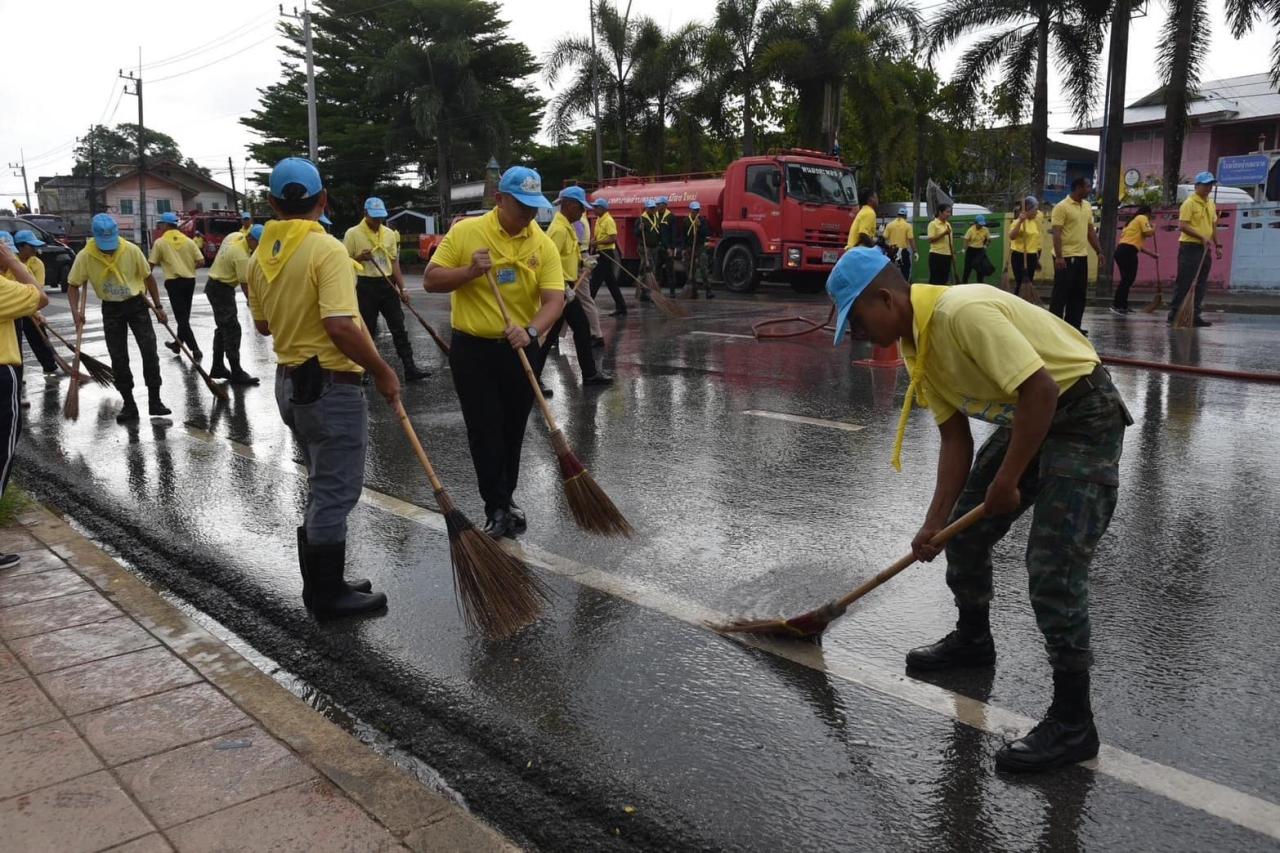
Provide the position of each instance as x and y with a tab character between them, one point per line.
738	269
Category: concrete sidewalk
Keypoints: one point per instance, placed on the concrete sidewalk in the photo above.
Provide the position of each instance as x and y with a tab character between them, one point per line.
126	726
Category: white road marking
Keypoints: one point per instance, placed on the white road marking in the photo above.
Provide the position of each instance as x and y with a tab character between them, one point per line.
800	419
723	335
1220	801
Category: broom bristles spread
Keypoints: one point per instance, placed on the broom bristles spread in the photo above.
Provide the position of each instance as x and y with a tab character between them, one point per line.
1154	304
497	593
1027	291
98	371
71	408
664	303
592	509
1187	310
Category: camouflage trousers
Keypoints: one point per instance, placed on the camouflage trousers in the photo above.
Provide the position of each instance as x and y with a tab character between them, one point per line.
1071	487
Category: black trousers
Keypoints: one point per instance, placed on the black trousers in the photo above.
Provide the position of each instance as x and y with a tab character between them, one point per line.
939	268
376	297
904	263
1127	260
118	319
10	419
606	274
226	335
576	316
1024	266
1189	257
1070	290
972	264
496	399
181	291
26	327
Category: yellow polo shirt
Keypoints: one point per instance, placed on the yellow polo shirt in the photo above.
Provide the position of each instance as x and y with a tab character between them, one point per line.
863	223
985	342
936	228
898	233
16	300
1201	214
1136	232
385	245
35	266
606	231
1073	219
1030	238
562	234
231	264
524	266
116	277
177	254
977	236
305	277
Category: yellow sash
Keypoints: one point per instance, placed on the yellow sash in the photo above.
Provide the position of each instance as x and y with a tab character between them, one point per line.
375	238
107	261
924	299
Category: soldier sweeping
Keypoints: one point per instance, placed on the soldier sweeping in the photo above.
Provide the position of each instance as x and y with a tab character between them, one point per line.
229	271
695	233
978	352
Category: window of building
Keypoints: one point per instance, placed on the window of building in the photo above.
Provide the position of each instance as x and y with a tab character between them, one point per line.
162	205
199	207
215	206
126	206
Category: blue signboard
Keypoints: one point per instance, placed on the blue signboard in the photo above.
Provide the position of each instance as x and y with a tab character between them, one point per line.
1244	170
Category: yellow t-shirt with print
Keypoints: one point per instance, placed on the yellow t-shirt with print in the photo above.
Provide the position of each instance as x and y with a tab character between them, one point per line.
606	231
937	228
35	266
863	223
898	233
176	254
1136	232
16	300
231	264
1202	215
1031	236
977	236
1073	218
985	342
115	277
304	277
524	265
562	234
385	245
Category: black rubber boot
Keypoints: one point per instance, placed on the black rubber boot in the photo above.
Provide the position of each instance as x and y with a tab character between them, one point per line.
128	412
969	645
356	584
330	595
1065	736
218	369
155	406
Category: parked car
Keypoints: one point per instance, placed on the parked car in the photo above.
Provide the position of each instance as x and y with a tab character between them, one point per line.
55	253
50	222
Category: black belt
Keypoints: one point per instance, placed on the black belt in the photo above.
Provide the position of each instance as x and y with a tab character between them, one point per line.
1097	380
337	377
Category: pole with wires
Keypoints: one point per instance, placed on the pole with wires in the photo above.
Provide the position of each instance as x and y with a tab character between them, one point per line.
20	169
312	127
143	238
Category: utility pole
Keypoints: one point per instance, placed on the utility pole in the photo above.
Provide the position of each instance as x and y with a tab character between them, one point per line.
93	173
232	169
312	132
1113	142
20	168
595	96
144	239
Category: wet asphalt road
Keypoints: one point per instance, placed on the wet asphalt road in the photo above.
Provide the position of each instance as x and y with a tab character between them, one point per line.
618	722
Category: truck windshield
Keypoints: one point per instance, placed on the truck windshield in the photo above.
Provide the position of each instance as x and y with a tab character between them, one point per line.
821	184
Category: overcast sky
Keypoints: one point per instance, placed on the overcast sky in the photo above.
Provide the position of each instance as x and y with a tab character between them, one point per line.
203	64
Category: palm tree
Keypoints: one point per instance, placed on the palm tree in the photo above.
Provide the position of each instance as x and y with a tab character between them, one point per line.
817	47
1025	31
660	79
1182	54
734	47
1242	14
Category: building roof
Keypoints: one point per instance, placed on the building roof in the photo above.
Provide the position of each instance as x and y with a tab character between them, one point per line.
174	173
1056	150
1232	99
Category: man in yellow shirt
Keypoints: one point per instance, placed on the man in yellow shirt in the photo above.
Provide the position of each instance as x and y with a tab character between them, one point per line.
377	248
121	275
573	203
604	241
230	270
900	237
1132	241
941	266
1198	224
302	293
492	389
976	239
27	244
1073	234
20	296
863	230
978	352
176	254
1025	242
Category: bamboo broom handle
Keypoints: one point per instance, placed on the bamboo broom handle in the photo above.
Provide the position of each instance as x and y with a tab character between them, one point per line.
439	341
524	359
84	303
940	538
417	447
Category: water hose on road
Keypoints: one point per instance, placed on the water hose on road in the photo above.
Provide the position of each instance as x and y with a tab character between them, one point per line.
1217	372
812	326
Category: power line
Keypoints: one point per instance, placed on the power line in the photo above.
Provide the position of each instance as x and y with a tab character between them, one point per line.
219	41
214	62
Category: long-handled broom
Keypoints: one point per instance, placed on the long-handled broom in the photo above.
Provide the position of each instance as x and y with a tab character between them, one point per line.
98	370
811	625
497	593
592	509
440	342
1158	302
661	301
1186	316
62	363
71	407
219	389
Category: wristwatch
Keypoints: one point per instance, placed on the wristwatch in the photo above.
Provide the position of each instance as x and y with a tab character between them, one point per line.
532	331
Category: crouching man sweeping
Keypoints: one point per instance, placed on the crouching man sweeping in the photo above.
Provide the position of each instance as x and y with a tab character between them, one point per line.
974	351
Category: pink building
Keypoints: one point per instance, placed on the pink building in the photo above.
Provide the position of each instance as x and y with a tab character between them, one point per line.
170	187
1226	117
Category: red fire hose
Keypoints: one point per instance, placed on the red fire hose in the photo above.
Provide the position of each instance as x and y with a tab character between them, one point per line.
811	326
1245	375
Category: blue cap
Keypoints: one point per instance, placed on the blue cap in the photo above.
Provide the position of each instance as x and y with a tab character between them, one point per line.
980	219
662	199
169	218
850	276
695	205
7	239
524	185
650	204
602	203
577	194
325	221
374	208
902	211
1206	178
27	237
106	233
244	214
256	233
295	170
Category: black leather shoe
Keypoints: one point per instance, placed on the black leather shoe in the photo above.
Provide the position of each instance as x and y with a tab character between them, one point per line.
497	525
547	393
174	347
598	378
1051	744
129	413
413	373
219	371
239	377
954	650
597	342
621	313
518	524
1201	323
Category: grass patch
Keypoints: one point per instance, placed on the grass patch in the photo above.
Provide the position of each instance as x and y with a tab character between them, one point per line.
12	502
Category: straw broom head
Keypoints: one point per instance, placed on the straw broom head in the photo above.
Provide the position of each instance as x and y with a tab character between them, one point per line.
497	594
71	407
1186	315
592	509
98	371
1027	291
667	305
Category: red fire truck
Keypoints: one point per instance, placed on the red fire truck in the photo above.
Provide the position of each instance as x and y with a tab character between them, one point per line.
784	216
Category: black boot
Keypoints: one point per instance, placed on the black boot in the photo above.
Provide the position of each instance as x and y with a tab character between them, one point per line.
128	412
413	373
238	376
1065	736
218	369
356	584
174	347
970	644
155	406
330	595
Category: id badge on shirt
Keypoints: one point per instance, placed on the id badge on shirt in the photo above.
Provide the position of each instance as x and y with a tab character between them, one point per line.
506	275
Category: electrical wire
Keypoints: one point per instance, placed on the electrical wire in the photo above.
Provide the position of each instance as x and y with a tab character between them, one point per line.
220	41
214	62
